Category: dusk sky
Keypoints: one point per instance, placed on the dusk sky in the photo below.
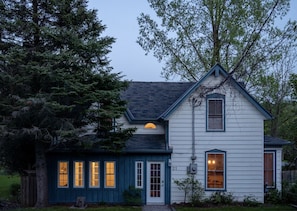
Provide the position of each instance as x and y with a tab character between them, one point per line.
127	56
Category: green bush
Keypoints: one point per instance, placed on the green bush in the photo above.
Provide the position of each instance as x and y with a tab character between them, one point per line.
15	191
132	196
221	198
250	201
192	189
289	193
273	196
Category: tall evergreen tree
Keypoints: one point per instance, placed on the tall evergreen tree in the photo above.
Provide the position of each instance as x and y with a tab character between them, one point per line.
55	79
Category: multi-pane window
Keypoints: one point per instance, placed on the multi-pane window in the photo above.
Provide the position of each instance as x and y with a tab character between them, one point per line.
94	174
215	162
63	174
78	174
215	113
269	169
139	174
110	174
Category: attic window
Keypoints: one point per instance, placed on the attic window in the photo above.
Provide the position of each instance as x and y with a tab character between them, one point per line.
150	125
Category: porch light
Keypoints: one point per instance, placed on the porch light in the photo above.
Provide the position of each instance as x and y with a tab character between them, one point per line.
150	125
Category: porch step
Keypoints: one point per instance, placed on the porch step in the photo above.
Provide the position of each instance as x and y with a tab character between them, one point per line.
157	208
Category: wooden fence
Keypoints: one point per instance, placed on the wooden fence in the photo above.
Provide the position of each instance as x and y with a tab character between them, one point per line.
28	189
289	176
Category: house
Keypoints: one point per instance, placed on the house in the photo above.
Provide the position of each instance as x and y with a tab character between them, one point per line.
213	129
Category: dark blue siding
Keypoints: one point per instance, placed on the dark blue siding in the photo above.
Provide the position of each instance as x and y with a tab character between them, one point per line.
125	177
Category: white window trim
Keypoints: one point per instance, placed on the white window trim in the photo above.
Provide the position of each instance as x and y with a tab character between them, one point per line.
114	174
83	175
90	175
58	175
136	174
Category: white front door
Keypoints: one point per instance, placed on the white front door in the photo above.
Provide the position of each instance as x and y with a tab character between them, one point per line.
155	183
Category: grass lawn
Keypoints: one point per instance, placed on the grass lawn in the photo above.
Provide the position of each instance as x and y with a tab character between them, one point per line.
236	208
112	208
5	183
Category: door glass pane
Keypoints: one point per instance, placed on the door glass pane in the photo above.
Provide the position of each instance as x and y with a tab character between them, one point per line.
155	183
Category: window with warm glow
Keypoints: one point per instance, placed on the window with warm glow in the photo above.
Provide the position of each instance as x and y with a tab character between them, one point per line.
139	174
215	170
109	174
150	125
269	169
63	174
94	174
78	174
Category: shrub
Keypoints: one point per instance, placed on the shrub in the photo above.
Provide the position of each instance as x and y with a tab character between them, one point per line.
15	191
221	198
289	192
250	201
273	196
192	189
132	196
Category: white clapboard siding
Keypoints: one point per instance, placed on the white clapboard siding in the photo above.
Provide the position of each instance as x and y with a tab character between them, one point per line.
242	140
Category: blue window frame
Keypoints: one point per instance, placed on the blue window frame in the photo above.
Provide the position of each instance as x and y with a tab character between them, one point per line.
215	112
269	169
215	165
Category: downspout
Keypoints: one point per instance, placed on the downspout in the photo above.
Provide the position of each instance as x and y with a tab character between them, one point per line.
193	158
193	165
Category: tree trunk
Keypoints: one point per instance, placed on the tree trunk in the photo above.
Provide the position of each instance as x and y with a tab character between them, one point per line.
41	175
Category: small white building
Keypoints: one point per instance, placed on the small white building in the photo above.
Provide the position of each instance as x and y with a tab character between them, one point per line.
215	130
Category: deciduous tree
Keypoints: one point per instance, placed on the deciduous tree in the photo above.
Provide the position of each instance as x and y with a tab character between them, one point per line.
190	36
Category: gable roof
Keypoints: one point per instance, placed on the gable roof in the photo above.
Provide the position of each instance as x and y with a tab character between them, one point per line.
153	101
148	100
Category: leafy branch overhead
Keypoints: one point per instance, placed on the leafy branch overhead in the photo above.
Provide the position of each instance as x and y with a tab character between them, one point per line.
191	36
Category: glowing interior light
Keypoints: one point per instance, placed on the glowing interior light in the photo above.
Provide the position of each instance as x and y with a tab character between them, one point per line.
150	126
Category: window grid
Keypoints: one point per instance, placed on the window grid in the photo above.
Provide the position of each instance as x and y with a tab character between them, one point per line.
78	174
139	174
110	174
63	174
215	164
94	167
215	116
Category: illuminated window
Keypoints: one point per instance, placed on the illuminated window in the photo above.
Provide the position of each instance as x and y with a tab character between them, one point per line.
150	125
269	169
62	174
139	174
110	174
215	112
78	174
215	162
94	174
